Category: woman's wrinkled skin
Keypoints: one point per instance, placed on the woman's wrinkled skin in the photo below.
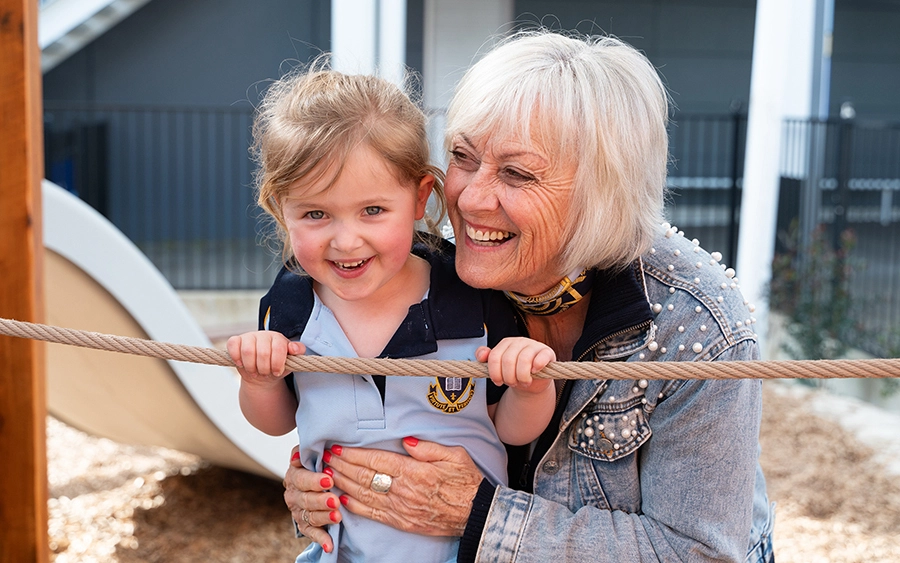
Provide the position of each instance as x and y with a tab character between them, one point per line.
520	195
410	505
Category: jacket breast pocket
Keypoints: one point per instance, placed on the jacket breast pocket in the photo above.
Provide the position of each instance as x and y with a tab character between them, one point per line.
609	431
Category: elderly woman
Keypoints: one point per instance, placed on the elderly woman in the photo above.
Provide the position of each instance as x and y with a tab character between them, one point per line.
555	186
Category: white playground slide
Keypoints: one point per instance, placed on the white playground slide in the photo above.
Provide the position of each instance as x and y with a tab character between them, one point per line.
96	279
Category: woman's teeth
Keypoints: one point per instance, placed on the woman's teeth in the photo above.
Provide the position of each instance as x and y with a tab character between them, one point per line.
487	236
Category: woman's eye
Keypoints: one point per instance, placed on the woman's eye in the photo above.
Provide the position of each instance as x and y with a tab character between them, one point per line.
458	155
517	176
373	210
463	160
315	214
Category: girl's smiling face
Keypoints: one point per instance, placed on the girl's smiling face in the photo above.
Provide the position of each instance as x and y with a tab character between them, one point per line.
353	237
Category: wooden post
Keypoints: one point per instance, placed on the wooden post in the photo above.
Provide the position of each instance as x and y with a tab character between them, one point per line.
23	408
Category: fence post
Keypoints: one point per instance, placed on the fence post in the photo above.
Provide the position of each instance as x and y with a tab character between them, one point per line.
841	197
734	196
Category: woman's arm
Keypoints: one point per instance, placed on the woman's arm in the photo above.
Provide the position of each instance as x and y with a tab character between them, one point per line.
697	474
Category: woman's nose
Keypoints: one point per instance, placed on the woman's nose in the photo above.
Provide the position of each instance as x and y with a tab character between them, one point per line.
479	193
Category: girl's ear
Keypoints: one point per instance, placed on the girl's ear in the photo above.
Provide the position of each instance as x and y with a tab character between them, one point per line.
423	192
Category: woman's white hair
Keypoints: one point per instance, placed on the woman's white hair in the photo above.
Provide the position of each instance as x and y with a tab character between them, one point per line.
596	102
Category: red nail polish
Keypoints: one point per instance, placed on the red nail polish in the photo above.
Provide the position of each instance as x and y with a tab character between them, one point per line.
326	457
411	441
333	515
331	503
344	499
327	548
325	483
296	456
328	471
336	449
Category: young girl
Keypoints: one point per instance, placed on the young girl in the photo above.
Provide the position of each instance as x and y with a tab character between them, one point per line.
344	173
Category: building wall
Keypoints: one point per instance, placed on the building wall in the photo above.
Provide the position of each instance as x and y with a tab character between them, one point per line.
202	52
703	48
866	58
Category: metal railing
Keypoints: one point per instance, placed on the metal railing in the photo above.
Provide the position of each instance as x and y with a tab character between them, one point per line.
705	178
178	182
841	183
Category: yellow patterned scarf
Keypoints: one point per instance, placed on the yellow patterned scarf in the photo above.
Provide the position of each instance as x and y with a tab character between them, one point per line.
559	298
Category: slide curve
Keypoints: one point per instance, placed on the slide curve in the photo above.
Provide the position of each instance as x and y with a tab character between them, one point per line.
97	279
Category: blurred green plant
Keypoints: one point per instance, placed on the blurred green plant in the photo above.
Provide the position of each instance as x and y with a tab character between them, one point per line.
811	288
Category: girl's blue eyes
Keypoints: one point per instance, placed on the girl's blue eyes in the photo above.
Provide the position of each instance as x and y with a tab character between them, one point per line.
371	210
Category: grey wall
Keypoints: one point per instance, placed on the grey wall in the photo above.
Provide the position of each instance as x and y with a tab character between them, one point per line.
866	58
702	48
202	52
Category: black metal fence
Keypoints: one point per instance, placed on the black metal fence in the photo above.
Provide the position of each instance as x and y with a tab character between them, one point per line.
178	182
840	199
705	178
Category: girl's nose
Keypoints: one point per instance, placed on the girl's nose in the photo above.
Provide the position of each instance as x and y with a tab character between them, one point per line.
346	236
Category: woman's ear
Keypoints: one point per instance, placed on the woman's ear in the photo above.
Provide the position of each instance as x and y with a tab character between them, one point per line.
423	192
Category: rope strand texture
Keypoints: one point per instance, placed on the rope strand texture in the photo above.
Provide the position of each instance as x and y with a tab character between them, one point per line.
789	369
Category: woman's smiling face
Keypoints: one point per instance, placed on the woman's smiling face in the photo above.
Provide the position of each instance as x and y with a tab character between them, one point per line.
510	206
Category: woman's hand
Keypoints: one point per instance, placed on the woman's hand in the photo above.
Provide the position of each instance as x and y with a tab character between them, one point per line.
312	505
430	494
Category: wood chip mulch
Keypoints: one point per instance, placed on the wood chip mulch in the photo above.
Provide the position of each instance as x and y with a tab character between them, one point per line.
128	504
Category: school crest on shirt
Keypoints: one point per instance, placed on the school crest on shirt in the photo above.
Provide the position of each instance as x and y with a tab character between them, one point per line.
451	394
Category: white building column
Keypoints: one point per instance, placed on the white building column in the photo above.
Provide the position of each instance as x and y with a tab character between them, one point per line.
369	37
781	86
456	32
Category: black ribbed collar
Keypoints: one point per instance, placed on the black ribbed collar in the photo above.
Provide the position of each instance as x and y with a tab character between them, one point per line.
452	309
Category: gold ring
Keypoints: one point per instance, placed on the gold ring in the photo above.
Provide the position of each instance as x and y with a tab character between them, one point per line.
304	515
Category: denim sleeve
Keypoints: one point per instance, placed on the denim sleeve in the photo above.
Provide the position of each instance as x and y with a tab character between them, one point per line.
697	476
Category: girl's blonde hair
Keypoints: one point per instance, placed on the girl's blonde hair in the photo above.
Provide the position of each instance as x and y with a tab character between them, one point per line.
310	120
594	102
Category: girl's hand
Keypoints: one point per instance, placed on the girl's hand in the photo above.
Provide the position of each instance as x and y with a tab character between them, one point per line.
311	502
514	360
260	356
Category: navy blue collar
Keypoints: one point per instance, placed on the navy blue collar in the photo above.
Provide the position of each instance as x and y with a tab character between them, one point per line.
452	309
618	302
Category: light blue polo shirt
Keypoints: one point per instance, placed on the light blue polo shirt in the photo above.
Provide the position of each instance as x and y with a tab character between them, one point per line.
348	410
450	322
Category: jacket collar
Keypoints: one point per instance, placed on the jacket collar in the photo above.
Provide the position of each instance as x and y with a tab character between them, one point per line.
618	305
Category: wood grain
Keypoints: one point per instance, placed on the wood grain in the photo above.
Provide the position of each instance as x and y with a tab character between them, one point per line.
23	470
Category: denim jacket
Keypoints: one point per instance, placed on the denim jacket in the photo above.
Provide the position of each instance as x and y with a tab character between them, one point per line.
646	470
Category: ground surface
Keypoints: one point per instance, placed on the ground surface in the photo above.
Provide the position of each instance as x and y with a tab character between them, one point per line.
117	503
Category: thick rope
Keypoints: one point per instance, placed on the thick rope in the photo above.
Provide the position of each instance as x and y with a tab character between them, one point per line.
789	369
